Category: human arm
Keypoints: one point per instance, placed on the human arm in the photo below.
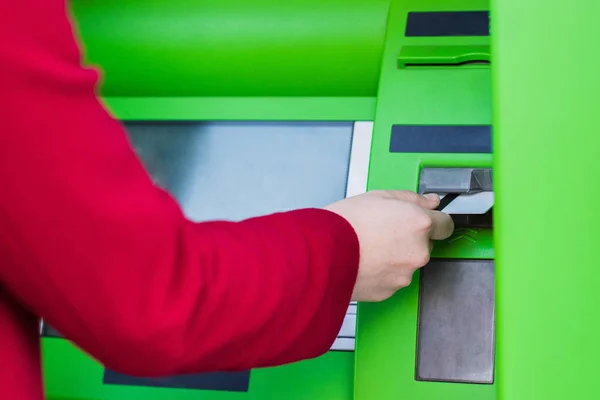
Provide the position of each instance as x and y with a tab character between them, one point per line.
91	245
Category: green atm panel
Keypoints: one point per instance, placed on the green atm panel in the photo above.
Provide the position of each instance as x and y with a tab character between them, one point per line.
432	133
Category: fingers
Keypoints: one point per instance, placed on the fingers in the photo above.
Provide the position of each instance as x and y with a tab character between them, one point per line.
429	201
442	225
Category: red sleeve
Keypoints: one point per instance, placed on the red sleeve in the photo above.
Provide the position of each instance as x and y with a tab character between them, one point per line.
91	245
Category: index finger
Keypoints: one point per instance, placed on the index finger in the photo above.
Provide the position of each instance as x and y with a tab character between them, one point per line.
428	201
442	225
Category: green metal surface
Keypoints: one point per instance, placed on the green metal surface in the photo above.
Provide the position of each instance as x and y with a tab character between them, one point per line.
236	48
387	332
546	163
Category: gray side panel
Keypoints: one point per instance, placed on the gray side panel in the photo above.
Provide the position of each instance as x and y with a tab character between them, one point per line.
456	322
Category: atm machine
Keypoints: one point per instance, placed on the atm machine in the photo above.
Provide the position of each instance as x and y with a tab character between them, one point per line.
241	108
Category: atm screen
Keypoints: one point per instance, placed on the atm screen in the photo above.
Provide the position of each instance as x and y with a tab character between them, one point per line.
236	170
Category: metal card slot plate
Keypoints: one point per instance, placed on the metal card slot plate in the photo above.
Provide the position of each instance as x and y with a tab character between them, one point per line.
456	322
455	180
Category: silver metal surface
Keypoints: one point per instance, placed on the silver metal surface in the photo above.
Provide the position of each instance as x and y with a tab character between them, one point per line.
237	170
456	322
455	180
344	344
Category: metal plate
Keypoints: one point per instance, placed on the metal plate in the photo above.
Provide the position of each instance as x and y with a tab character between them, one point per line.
456	322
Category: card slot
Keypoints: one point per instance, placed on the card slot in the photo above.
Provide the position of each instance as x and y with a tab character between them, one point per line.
468	204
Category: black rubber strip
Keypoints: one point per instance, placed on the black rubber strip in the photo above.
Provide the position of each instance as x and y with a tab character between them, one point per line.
447	199
218	381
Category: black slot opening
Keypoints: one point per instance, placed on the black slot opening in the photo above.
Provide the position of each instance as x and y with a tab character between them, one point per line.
465	63
217	381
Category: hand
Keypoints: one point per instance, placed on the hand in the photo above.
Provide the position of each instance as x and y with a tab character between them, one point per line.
395	230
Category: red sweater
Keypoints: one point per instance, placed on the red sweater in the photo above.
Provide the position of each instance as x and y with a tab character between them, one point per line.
88	243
